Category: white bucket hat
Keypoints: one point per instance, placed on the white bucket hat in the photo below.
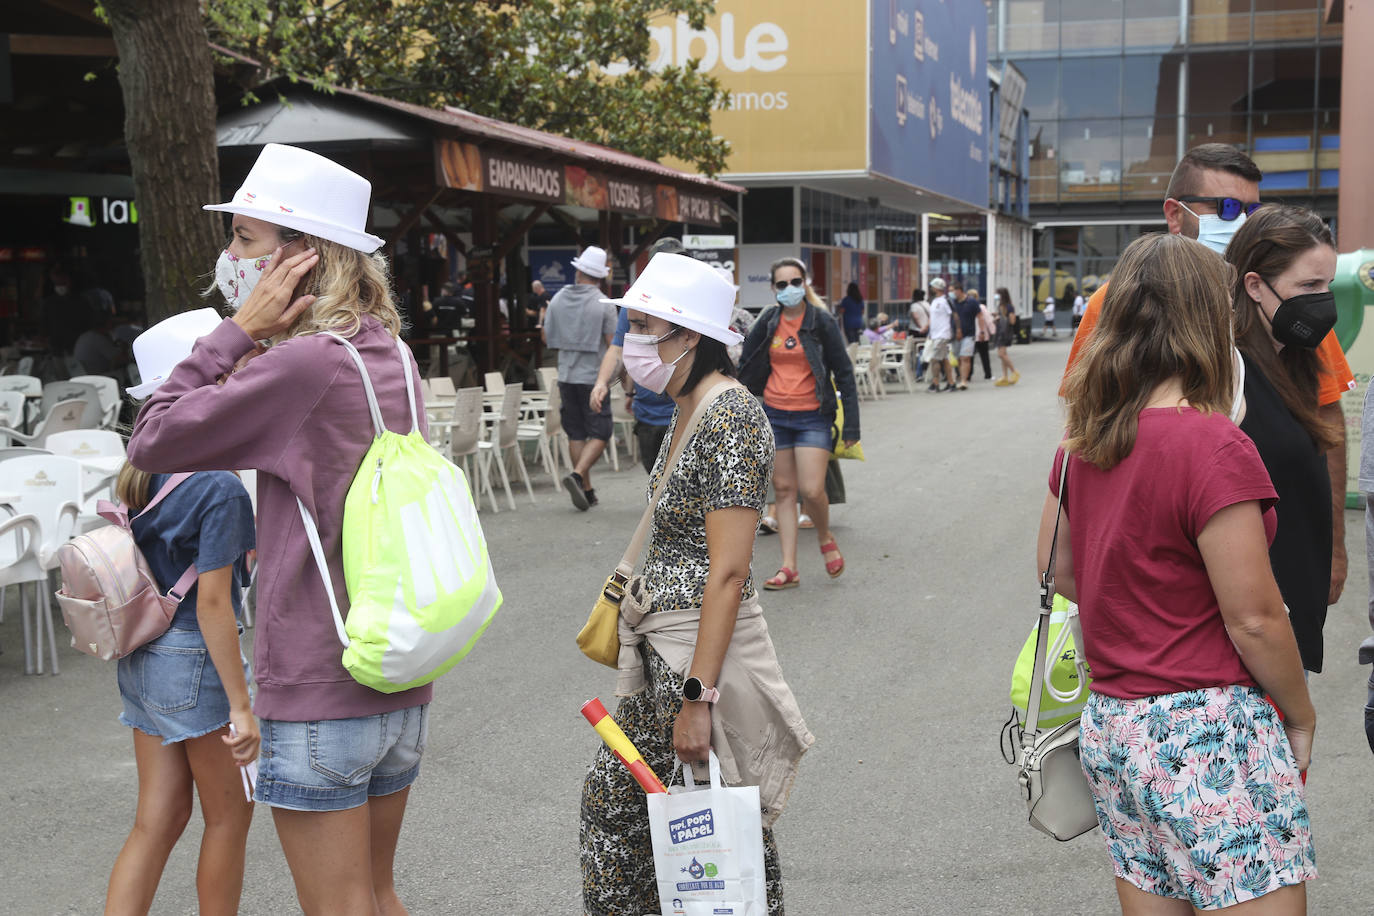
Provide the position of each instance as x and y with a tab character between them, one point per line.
687	292
158	349
293	187
592	262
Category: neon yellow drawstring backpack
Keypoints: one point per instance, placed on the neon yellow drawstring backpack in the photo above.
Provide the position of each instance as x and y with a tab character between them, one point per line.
420	584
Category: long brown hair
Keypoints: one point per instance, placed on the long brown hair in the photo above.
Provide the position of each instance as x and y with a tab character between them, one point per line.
1273	237
1166	316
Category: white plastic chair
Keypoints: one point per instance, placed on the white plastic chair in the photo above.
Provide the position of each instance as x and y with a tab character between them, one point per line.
11	409
101	454
108	391
47	488
898	361
622	428
442	388
546	431
495	382
76	414
859	356
31	386
505	443
548	378
25	366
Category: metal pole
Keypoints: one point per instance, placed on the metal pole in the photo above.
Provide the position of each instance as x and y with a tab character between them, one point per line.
925	251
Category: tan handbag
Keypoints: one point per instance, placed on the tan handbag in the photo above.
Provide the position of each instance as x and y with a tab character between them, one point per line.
1058	799
599	638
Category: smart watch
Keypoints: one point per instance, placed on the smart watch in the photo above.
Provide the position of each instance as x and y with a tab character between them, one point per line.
694	691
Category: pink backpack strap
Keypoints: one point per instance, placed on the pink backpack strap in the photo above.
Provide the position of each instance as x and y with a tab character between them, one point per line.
188	579
172	483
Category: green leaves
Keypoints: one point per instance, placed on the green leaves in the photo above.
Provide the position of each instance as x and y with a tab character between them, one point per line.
574	67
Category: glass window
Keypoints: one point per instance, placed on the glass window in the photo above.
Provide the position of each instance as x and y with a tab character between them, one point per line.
768	216
1044	168
1066	242
1284	150
1089	25
1149	84
1090	159
1218	82
1149	149
1329	78
1100	241
1328	148
1284	79
1042	86
1150	23
1032	25
1217	128
1096	271
1091	87
1219	23
1287	20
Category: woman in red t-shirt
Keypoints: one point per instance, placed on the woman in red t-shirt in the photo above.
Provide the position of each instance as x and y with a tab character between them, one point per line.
1163	542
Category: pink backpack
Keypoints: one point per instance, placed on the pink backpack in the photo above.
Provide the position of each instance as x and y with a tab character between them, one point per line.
110	600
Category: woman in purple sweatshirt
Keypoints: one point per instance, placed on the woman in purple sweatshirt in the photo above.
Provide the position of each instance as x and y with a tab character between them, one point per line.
268	391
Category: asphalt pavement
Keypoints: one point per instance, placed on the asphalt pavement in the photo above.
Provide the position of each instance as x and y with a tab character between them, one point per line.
902	668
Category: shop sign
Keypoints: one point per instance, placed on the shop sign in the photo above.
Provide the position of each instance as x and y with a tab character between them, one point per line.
682	207
112	212
694	240
466	167
949	238
795	70
928	91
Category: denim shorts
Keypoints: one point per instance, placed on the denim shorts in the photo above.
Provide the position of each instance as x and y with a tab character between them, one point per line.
170	689
799	429
1198	794
965	345
335	764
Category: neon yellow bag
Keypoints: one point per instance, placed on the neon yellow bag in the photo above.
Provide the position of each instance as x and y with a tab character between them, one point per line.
1066	686
855	451
420	584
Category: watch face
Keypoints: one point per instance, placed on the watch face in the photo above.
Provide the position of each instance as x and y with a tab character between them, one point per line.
691	689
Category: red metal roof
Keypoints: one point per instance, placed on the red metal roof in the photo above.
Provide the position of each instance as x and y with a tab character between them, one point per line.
483	128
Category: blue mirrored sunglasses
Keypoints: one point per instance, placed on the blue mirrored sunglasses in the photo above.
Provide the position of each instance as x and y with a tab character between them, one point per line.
1228	208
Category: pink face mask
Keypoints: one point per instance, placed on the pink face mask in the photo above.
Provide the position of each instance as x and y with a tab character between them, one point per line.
644	364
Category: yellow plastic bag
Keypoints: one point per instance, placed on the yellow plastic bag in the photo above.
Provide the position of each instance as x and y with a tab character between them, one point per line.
855	451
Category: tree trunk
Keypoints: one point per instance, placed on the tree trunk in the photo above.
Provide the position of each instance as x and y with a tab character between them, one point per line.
167	78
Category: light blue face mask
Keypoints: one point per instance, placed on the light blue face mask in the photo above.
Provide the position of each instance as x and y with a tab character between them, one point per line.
791	296
1215	232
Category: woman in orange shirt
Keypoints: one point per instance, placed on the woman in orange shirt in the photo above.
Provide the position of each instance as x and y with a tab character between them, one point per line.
795	357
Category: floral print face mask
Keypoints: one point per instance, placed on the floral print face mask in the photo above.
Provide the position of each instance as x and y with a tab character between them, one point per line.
236	276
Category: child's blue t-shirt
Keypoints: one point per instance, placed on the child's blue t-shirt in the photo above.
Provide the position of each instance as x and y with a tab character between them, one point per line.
208	521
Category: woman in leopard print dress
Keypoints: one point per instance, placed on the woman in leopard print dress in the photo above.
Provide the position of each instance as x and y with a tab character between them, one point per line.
698	555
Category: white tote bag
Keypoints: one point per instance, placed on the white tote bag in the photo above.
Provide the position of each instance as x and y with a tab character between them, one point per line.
708	848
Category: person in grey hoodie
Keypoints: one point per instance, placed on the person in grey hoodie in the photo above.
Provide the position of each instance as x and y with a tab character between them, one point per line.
580	326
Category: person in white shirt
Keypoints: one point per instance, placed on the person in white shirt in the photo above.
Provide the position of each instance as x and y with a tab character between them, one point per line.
941	333
1049	317
1080	305
919	328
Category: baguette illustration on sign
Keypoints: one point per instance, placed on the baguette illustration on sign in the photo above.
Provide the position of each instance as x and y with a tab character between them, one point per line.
461	164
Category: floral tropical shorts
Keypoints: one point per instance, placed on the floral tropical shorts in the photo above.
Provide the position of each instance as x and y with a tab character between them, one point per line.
1198	794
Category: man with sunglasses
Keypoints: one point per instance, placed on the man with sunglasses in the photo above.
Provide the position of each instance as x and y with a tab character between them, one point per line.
1212	191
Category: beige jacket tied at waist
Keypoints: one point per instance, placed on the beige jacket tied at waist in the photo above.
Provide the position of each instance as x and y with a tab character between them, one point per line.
757	730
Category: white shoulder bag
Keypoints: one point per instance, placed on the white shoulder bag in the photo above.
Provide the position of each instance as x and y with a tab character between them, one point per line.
1058	799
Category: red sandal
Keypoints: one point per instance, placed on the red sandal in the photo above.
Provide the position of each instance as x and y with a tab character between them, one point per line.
784	578
833	568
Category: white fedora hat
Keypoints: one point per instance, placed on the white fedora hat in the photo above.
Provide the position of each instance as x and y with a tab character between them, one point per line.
158	349
293	187
687	292
592	262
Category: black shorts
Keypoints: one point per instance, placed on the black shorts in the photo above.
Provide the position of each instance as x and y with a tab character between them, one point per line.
580	422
